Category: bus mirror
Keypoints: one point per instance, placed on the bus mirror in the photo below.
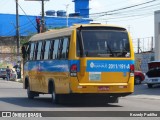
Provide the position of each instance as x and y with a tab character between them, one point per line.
83	66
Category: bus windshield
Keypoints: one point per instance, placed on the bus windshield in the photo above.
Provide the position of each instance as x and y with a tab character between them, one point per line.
105	43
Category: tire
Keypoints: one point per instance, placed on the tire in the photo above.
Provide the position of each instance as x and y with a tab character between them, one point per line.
55	97
137	80
30	94
3	78
150	85
113	100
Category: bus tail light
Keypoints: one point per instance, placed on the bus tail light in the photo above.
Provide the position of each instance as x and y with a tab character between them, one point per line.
131	70
73	70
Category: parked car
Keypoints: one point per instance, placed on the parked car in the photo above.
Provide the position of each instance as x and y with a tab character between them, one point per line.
138	77
153	74
3	73
13	74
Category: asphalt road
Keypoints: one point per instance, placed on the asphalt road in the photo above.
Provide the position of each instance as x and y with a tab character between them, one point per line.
13	98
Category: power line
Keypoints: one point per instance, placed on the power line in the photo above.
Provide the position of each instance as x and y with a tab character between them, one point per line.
27	16
127	16
142	9
125	19
124	8
131	13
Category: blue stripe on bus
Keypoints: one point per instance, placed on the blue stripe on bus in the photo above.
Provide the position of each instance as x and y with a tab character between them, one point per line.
48	66
92	65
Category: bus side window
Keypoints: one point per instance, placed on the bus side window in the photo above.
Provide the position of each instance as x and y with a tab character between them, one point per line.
43	50
60	48
46	53
25	51
28	51
51	49
64	53
67	51
77	48
35	51
55	49
32	51
39	50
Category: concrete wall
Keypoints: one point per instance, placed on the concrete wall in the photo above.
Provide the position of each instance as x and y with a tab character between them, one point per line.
8	56
157	34
141	61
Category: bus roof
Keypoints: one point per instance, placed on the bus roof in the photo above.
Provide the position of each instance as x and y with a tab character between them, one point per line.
52	34
66	31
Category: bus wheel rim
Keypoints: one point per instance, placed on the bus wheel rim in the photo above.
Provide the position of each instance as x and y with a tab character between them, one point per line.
53	96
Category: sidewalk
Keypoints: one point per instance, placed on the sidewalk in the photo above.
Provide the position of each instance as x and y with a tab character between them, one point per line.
11	84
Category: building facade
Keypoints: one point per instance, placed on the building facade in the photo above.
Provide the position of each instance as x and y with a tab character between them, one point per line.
157	34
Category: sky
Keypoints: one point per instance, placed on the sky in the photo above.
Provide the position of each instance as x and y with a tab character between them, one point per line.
140	26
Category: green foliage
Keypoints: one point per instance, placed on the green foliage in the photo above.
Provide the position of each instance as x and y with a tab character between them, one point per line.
24	40
4	65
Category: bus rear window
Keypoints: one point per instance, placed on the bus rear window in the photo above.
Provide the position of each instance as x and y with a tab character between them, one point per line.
104	43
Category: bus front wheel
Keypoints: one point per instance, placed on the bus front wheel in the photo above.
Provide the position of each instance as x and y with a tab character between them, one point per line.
30	93
55	97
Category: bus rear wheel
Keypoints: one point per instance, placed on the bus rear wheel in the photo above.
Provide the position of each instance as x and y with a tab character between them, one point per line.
113	99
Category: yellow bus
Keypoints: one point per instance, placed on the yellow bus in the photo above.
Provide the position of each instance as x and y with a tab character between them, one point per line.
89	59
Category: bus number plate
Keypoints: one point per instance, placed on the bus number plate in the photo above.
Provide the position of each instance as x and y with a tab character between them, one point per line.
94	76
103	88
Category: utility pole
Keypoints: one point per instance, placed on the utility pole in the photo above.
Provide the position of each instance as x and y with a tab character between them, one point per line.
17	31
42	21
138	48
152	43
18	68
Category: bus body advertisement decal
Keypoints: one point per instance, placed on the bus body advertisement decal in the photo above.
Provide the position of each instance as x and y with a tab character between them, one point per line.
109	65
92	65
48	66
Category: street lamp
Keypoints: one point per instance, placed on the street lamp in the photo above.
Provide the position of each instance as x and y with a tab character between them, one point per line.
67	14
42	20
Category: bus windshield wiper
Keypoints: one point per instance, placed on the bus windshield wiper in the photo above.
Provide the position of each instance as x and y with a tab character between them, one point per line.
112	54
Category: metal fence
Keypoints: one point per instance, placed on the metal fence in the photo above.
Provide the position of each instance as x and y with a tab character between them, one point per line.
143	44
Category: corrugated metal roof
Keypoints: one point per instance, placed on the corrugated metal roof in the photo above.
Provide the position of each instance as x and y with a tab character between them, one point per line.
28	24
